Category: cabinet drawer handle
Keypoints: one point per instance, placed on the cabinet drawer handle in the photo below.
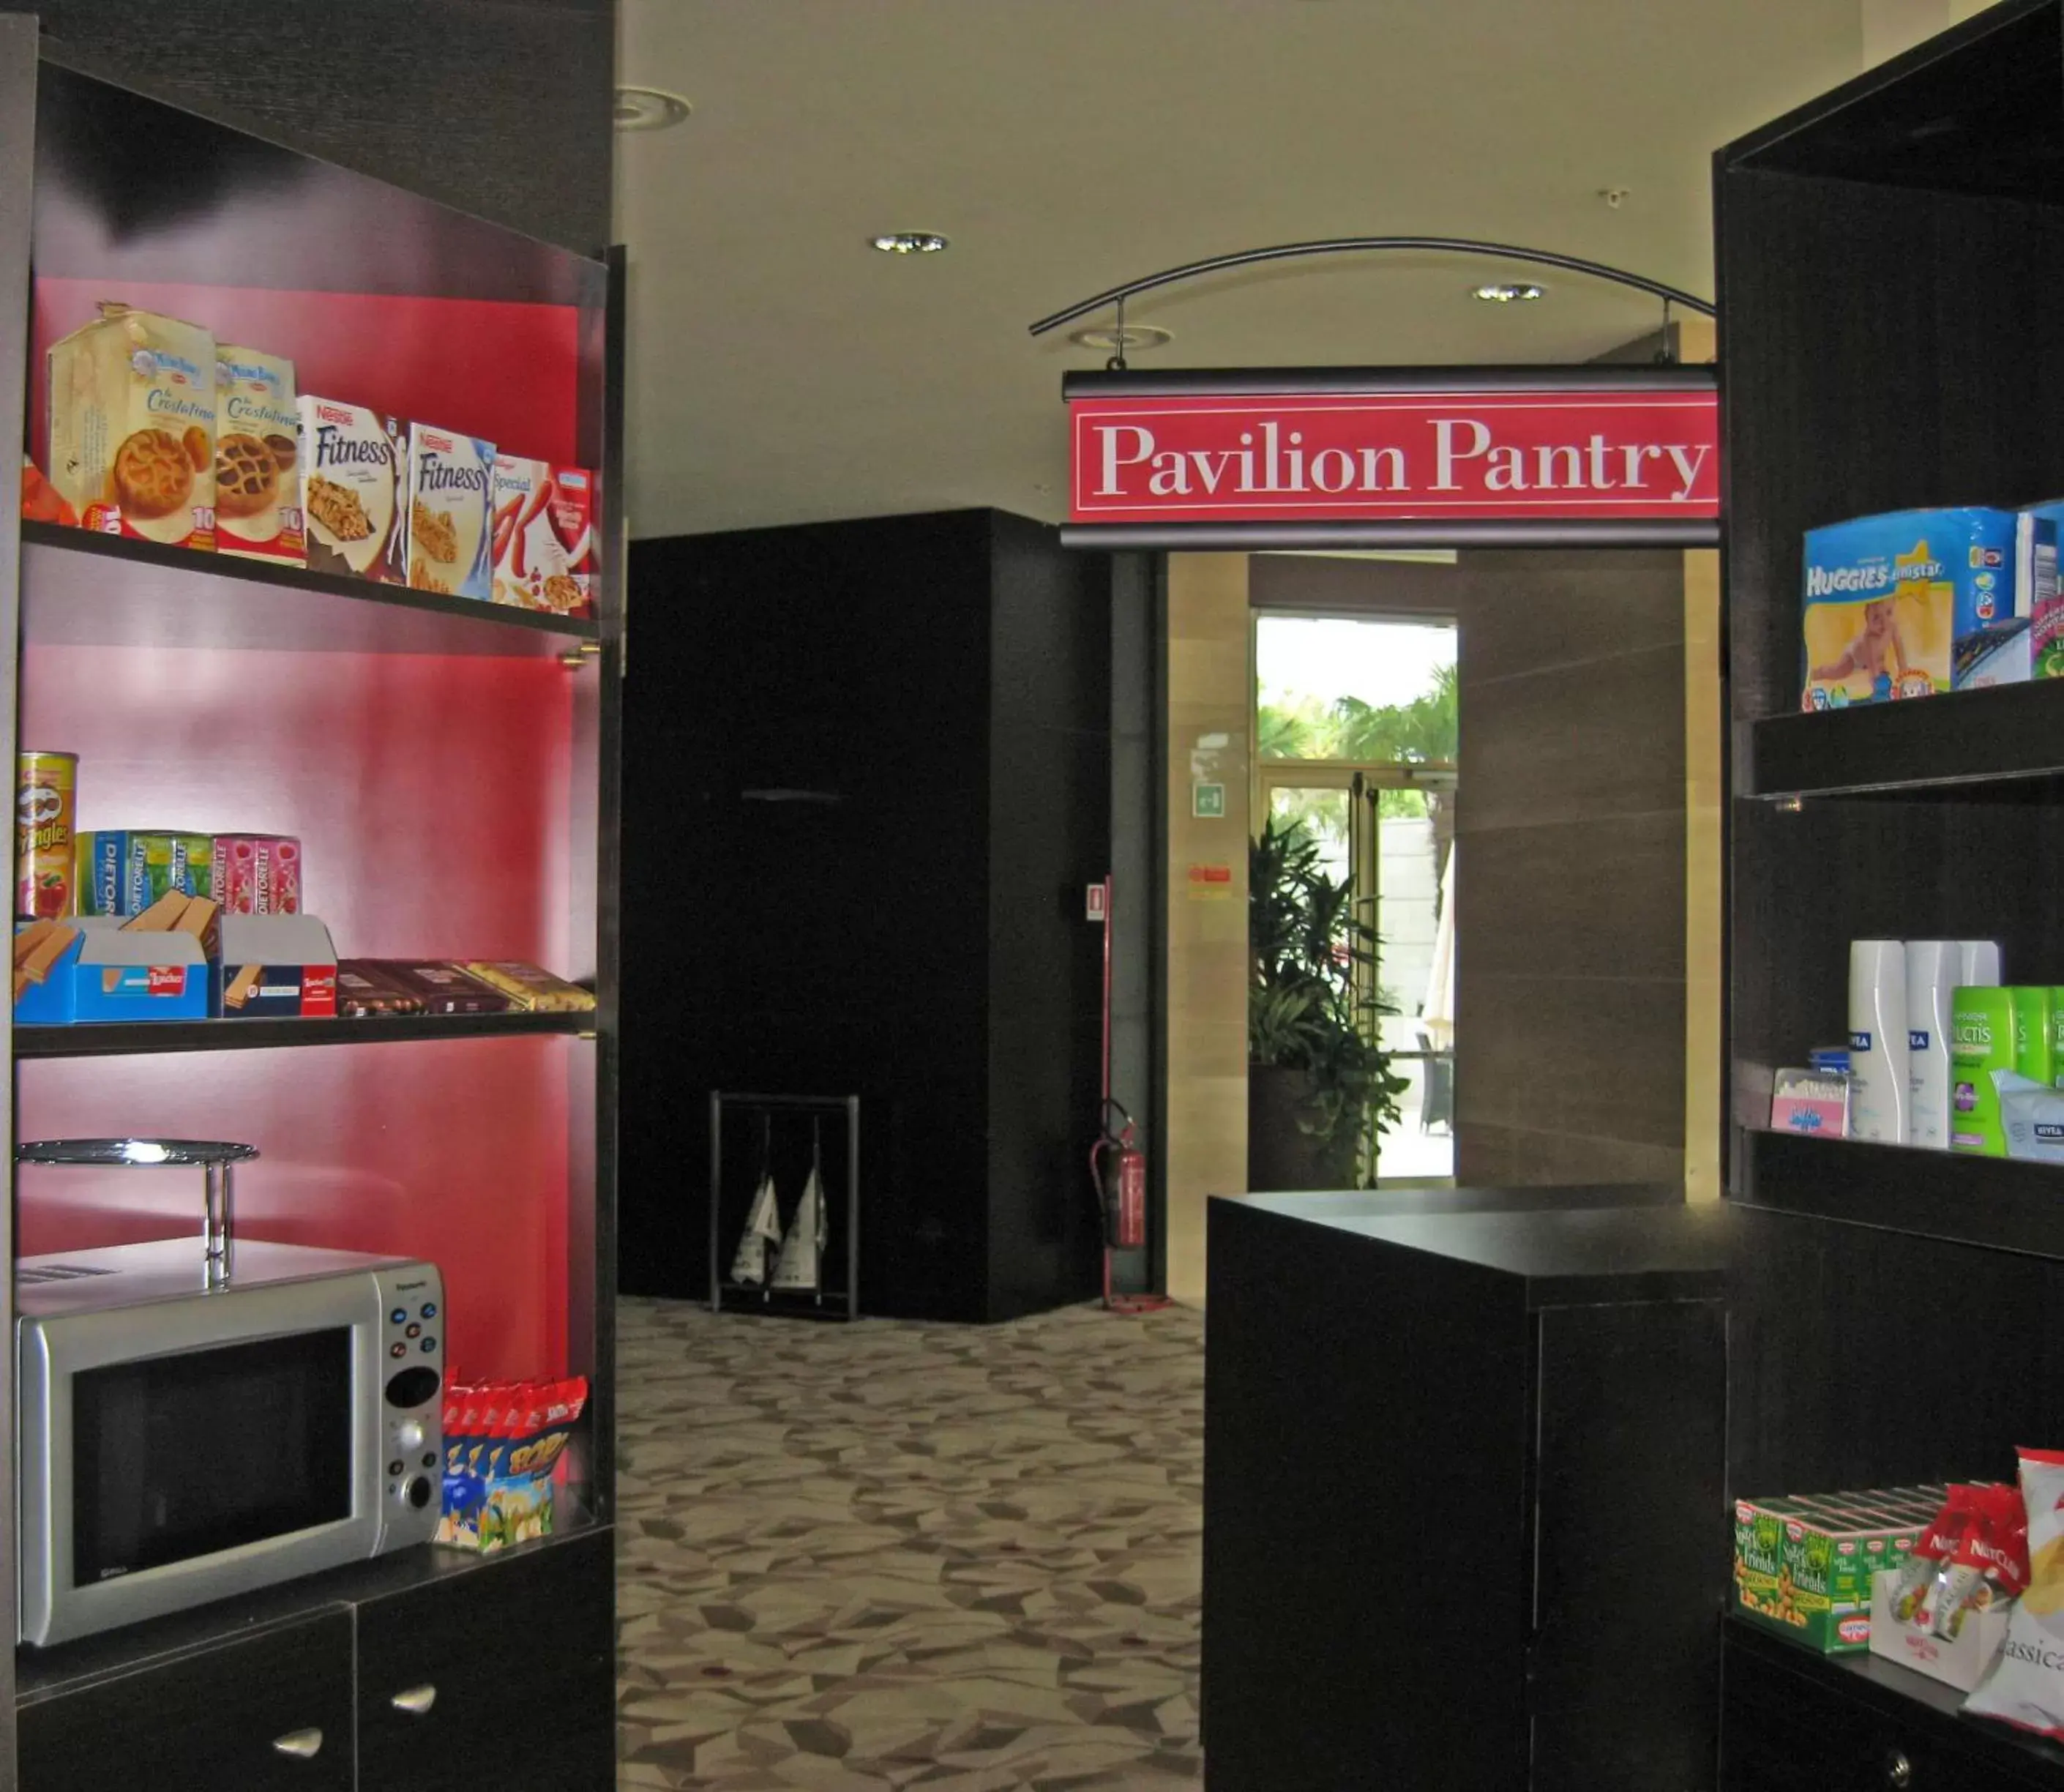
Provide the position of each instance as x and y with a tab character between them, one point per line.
416	1701
1898	1770
305	1745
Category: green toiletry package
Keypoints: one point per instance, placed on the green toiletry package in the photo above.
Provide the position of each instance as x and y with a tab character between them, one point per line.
1982	1036
2035	1043
2057	1006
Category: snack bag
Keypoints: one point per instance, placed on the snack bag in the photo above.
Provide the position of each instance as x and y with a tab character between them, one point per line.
1991	1562
1938	1544
2026	1686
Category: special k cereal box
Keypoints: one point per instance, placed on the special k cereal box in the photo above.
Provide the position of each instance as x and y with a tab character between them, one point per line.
449	477
132	426
354	478
257	483
544	536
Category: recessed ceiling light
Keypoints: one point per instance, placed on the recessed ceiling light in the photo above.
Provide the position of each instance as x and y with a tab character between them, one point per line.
1509	291
909	242
1125	339
649	109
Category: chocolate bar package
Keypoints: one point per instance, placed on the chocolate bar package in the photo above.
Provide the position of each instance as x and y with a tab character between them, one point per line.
365	988
444	987
535	992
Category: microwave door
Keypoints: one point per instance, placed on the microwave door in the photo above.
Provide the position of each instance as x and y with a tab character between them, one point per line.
155	1477
177	1458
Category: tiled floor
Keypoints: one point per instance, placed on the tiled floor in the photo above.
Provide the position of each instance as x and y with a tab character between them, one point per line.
889	1555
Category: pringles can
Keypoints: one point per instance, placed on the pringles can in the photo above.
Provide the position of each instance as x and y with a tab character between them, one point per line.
45	786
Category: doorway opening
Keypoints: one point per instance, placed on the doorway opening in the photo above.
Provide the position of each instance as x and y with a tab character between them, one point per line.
1356	733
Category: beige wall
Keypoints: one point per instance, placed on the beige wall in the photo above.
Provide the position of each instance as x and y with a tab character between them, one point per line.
1211	699
1704	858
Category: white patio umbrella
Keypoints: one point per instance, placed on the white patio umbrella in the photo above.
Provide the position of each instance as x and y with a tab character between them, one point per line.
1437	1014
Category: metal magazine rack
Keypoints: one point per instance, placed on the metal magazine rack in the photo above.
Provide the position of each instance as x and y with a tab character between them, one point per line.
784	1205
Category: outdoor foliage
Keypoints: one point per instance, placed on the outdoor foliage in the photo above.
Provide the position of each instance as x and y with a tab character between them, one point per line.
1305	1010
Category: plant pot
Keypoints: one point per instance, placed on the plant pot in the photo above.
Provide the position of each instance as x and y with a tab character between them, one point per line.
1280	1155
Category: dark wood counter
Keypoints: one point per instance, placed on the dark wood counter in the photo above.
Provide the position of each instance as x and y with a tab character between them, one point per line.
1463	1483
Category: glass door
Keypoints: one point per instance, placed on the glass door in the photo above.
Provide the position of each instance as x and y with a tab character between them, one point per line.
1356	729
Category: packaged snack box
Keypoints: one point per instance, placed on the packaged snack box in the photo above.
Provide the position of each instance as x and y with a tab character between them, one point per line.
353	466
1806	1570
544	536
132	426
256	874
1887	600
450	547
364	990
152	966
274	966
257	478
529	988
444	987
123	871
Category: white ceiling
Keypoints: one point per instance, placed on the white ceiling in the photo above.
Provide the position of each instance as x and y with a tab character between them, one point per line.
781	371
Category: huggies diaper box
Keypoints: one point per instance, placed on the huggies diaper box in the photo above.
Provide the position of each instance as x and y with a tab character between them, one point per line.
1917	602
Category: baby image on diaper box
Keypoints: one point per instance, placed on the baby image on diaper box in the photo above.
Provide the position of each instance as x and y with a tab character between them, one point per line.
1889	601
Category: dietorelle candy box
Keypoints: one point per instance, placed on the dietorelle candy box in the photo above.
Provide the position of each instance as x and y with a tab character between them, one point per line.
123	871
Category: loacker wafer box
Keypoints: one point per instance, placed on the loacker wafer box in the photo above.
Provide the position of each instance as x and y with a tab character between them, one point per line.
132	426
354	479
450	546
274	967
97	968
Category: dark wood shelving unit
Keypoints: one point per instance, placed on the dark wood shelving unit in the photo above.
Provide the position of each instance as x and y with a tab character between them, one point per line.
1889	1712
451	767
2014	734
1847	392
174	597
142	1039
1989	1202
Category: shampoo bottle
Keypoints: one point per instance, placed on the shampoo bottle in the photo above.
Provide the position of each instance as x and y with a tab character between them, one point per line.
1880	1093
1980	966
1934	969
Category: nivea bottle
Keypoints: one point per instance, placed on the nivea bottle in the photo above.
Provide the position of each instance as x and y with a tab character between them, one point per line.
1881	1091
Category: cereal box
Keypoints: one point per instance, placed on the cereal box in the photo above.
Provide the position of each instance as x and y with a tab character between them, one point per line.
256	874
257	484
132	426
1894	604
450	547
353	466
544	536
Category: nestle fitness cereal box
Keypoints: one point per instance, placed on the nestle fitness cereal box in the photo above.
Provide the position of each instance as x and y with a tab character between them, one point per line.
132	426
450	548
257	480
353	466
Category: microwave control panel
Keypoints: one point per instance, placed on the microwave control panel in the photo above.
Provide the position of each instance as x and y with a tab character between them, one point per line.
412	1414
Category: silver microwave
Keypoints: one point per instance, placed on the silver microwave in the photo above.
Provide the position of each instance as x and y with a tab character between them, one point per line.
177	1442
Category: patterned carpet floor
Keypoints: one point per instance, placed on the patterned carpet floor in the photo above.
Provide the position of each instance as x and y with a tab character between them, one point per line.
883	1554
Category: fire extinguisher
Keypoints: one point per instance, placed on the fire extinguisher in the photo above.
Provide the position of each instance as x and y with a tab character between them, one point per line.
1119	1168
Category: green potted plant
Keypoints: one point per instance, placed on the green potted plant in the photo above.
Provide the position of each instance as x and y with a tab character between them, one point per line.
1318	1085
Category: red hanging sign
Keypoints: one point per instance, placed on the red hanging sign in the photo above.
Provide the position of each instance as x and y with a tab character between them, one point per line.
1630	447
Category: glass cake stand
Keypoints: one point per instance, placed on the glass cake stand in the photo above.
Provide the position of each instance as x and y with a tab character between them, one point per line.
216	1159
